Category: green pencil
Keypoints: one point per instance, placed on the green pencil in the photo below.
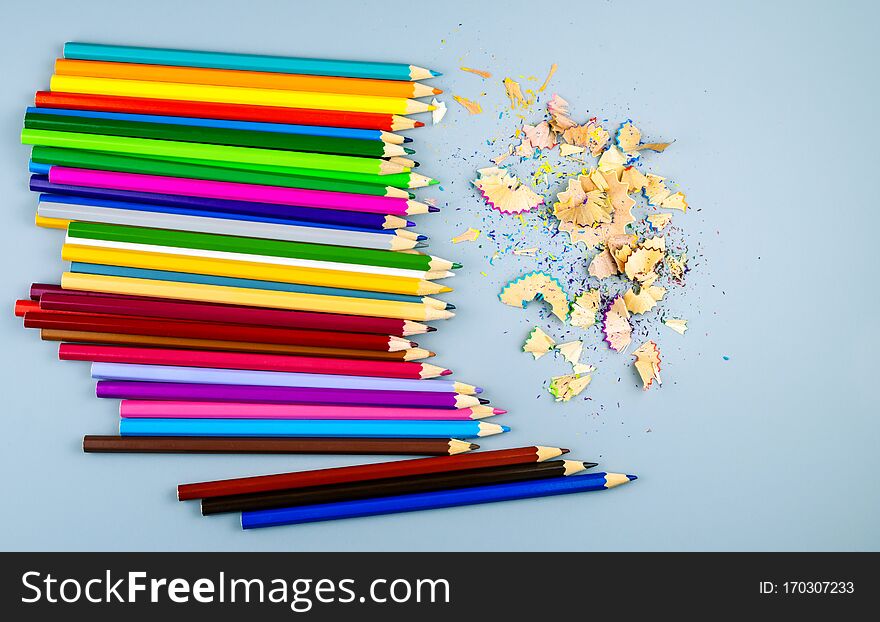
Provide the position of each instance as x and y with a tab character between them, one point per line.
257	246
77	158
215	136
216	153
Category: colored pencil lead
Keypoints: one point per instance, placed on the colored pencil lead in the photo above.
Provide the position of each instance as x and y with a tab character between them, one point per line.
483	400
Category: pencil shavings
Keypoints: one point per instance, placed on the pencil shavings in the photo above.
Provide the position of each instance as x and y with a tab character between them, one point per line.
594	236
659	195
615	325
645	300
583	368
539	136
553	69
603	265
514	94
471	106
538	343
647	363
470	235
612	159
536	285
563	388
640	264
676	267
658	222
584	308
566	150
657	243
591	135
629	139
582	204
571	351
506	193
439	111
634	179
559	119
679	326
479	72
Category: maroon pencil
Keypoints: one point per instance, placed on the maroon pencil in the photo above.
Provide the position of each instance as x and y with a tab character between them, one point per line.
112	304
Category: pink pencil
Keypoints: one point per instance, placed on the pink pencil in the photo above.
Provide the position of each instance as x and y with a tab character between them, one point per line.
148	409
136	182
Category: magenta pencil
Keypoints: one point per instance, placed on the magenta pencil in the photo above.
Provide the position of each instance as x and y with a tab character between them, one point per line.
149	409
203	188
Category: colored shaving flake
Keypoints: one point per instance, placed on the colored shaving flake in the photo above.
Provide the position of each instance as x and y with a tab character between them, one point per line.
612	159
584	308
629	139
571	351
634	179
506	193
514	94
470	235
597	235
536	285
658	222
526	252
679	326
566	150
538	343
471	106
559	119
645	300
676	266
659	195
582	204
648	363
563	388
640	264
439	111
592	136
539	136
603	265
615	325
479	72
553	69
583	368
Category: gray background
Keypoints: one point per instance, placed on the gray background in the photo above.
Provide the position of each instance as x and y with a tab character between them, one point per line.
772	106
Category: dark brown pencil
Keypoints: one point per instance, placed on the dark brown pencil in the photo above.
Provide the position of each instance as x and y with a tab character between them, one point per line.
247	445
399	486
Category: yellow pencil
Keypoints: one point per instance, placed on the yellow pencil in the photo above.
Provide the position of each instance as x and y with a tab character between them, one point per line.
237	95
253	297
252	270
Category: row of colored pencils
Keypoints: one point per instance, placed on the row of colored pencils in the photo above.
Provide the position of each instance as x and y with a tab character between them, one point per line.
243	274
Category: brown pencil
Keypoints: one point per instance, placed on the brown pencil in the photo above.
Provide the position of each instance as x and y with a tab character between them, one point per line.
251	445
78	336
397	486
366	472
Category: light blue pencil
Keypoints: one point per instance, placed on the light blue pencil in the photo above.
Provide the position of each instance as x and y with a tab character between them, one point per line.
211	375
308	428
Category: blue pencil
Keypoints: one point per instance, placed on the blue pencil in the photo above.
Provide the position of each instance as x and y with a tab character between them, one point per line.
433	500
308	428
41	183
206	279
255	126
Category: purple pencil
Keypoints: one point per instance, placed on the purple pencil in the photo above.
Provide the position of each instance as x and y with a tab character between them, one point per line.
116	389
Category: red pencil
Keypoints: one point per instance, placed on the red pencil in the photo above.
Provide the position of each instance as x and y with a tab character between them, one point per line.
119	304
367	472
234	112
242	360
205	330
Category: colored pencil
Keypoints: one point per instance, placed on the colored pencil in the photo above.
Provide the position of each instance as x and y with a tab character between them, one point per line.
238	95
24	306
163	373
433	500
239	360
207	330
77	158
168	409
246	62
251	126
122	339
213	153
224	226
308	428
88	302
252	79
318	277
317	252
249	445
401	486
253	297
366	472
217	208
182	391
215	136
234	112
202	279
133	182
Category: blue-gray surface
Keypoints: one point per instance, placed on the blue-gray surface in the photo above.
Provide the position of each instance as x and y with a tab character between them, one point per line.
773	448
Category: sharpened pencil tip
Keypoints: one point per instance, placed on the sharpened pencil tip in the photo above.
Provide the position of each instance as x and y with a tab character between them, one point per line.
407	139
499	411
563	450
421	237
505	428
474	446
590	465
446	372
421	245
450	305
433	182
435	74
478	389
410	223
433	209
483	400
437	91
456	266
418	124
415	164
409	151
632	477
432	329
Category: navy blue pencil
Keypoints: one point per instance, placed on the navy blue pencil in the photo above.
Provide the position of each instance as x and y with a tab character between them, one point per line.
432	500
41	183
